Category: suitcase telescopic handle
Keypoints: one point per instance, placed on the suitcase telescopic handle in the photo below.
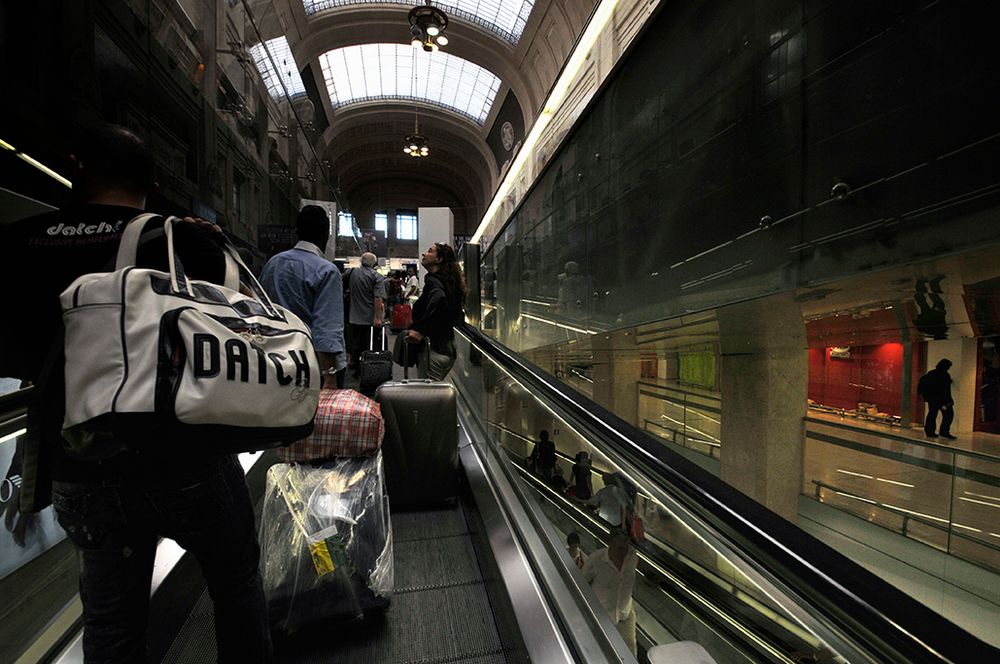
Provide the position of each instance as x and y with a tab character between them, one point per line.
371	339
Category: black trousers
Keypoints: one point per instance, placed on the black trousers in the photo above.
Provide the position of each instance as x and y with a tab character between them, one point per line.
116	526
947	411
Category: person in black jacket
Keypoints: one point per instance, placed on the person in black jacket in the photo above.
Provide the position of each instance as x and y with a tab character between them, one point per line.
935	388
115	510
438	310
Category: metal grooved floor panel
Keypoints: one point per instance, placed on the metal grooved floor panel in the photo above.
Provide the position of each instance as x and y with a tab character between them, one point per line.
440	610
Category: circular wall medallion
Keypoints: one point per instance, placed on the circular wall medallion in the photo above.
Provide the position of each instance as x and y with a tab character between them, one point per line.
507	135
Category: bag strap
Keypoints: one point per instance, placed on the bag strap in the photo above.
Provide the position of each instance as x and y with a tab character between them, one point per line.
129	245
235	262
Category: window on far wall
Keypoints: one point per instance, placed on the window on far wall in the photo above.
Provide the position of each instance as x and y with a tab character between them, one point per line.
345	224
382	222
406	225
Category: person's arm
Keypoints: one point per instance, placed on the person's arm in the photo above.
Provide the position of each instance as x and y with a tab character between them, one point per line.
434	301
589	573
379	303
328	325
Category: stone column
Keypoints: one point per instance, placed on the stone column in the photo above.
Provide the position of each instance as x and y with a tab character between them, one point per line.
764	381
616	371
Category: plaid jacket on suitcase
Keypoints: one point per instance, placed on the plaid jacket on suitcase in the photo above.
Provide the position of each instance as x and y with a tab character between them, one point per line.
347	424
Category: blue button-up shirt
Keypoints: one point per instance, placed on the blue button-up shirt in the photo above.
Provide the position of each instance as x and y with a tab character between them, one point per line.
303	281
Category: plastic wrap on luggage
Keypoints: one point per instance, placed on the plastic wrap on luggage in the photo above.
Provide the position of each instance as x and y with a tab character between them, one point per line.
326	542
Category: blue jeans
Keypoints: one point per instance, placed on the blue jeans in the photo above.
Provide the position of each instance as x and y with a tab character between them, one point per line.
116	526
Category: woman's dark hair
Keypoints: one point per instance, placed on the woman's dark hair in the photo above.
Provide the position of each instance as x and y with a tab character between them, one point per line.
450	272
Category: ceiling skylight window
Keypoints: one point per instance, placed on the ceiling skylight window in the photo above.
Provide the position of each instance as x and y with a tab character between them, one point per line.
287	71
372	72
504	17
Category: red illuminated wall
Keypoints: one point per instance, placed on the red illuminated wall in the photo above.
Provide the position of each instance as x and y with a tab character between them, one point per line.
842	383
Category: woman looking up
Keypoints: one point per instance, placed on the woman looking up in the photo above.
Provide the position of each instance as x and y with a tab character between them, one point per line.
438	310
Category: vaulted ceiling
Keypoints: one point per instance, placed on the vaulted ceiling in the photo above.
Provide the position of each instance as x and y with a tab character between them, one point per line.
370	101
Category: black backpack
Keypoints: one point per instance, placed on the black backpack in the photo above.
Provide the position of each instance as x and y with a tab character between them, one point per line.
923	384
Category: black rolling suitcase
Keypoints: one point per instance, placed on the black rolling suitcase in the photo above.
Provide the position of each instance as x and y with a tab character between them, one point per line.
420	448
376	365
326	543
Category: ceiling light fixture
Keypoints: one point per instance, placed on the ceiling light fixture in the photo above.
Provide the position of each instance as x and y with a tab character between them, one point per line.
416	144
427	26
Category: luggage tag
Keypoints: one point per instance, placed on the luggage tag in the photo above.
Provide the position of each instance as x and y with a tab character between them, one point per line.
328	555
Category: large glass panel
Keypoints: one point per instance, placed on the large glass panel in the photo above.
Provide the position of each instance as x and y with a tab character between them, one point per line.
371	72
690	585
283	81
506	18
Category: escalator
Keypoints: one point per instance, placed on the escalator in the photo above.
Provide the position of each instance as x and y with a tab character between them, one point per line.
489	580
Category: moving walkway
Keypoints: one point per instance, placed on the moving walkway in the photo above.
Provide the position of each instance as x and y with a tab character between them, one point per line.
490	581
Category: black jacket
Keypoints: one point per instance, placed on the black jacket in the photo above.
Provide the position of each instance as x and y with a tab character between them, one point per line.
935	387
435	315
39	257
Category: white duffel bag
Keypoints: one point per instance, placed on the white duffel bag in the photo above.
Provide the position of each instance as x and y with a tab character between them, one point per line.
156	358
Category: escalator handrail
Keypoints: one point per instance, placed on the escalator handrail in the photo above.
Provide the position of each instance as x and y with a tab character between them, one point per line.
868	608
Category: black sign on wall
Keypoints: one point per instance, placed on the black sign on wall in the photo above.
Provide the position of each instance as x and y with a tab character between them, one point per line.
273	239
508	130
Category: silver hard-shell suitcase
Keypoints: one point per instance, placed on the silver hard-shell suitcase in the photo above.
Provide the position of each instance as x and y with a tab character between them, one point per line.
420	449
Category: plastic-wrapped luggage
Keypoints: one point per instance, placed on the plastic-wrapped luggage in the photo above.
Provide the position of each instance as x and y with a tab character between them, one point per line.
326	542
347	424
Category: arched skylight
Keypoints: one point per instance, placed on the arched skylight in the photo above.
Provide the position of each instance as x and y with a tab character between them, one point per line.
371	72
504	17
287	70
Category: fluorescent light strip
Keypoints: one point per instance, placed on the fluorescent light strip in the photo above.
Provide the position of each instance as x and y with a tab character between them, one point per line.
565	327
37	164
848	472
689	409
978	502
882	479
12	436
981	495
542	304
848	495
556	97
926	516
958	525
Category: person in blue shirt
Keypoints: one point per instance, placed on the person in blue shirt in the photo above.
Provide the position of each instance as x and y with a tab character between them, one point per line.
303	281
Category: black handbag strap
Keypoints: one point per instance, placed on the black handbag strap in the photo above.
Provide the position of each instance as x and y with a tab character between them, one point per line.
406	356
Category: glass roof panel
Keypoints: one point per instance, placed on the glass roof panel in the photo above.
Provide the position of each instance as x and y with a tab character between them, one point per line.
504	17
287	69
369	72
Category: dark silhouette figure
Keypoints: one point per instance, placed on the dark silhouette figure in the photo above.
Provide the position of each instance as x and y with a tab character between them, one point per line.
582	480
935	388
545	456
931	312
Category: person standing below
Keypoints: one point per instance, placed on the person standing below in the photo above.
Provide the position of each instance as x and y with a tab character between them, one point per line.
581	474
612	501
935	388
367	289
303	281
116	510
611	573
438	310
545	456
411	287
574	550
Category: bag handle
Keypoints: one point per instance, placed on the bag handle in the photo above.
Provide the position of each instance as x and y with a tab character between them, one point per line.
129	245
247	277
236	269
371	339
